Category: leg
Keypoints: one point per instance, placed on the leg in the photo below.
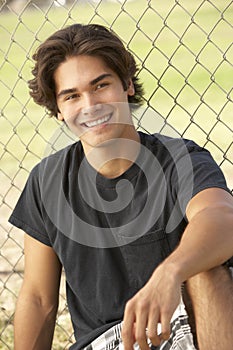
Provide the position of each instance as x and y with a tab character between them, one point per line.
211	296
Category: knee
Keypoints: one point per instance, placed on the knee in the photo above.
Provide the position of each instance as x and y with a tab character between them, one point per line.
208	295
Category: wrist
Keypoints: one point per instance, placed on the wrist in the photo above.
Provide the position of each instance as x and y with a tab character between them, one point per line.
171	270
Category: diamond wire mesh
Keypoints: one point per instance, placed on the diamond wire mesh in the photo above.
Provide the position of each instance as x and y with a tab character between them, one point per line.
184	51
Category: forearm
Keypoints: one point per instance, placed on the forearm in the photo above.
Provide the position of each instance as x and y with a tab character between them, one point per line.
33	324
207	242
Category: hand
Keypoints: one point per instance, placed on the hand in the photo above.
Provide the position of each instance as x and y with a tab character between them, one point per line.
154	303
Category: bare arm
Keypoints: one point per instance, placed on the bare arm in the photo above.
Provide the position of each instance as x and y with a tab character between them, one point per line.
207	242
38	299
208	239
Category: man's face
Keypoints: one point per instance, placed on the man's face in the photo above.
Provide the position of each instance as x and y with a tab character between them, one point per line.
92	101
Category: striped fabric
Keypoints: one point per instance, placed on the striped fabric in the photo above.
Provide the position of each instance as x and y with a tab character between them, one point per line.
180	339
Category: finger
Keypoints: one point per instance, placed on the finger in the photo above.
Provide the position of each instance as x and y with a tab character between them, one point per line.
165	325
127	332
140	329
152	332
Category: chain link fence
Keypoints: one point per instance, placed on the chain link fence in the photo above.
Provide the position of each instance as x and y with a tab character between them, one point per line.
184	51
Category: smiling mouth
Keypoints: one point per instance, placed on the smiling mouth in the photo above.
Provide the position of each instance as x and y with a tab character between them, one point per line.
102	120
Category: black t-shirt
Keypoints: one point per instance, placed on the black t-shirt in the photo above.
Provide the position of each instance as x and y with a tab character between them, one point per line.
110	234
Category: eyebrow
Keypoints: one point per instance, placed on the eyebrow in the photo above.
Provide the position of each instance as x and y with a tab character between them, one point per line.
99	78
66	92
92	82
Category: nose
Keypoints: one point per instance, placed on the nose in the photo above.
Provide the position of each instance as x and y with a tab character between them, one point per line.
90	105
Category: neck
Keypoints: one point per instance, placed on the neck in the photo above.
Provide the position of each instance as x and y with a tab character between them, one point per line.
114	157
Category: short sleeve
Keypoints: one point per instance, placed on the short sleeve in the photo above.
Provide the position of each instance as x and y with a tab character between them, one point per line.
29	214
196	171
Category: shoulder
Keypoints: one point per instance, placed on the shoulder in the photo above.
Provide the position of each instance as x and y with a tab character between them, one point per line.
55	161
164	140
168	142
174	148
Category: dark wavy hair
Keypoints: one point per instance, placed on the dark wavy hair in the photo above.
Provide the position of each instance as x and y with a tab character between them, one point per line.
78	39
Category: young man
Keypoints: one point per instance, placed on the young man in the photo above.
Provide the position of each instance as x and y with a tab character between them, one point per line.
136	220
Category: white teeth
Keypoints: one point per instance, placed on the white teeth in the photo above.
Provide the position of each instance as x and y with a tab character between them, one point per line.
97	122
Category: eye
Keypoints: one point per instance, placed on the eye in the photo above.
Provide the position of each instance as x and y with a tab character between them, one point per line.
71	97
101	86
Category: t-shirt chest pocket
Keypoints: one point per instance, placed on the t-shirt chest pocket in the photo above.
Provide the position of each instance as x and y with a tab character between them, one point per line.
144	254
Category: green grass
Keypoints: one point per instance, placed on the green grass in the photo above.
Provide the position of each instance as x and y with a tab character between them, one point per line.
184	54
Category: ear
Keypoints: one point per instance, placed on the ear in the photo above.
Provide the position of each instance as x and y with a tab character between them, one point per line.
60	117
130	90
